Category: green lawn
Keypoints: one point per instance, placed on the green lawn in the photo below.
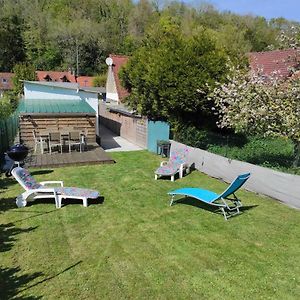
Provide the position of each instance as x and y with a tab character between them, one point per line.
134	246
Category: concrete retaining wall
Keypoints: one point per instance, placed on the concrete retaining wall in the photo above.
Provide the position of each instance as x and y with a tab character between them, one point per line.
281	186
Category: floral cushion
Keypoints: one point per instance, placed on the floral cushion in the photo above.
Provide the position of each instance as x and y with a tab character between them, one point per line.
179	156
28	180
77	192
168	169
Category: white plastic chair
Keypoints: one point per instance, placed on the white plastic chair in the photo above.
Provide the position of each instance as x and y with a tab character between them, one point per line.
39	141
38	190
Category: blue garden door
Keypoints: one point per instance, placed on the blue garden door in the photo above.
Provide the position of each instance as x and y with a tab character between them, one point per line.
157	130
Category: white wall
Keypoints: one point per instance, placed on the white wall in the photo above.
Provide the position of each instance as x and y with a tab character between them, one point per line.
111	89
282	186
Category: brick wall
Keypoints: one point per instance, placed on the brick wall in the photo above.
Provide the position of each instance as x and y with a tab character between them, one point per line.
132	128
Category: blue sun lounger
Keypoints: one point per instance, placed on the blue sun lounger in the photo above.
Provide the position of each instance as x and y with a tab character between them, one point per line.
218	200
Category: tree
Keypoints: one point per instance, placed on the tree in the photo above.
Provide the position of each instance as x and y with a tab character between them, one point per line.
252	105
99	80
5	107
22	71
11	42
164	74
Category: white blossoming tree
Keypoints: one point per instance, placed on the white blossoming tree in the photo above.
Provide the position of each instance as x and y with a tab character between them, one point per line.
252	104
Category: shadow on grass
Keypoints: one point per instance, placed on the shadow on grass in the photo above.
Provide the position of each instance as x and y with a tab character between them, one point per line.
8	233
12	283
7	204
97	201
36	214
10	203
5	183
199	204
51	277
41	200
41	172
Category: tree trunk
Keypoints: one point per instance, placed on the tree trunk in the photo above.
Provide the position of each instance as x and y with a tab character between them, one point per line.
296	153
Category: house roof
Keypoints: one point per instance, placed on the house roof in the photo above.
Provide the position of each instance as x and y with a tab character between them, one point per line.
118	62
54	106
55	76
65	85
6	81
122	109
281	61
96	89
85	81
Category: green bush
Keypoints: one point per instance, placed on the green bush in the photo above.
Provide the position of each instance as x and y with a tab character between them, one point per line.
205	139
269	152
100	80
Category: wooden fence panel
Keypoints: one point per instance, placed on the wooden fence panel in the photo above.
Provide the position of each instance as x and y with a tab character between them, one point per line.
27	125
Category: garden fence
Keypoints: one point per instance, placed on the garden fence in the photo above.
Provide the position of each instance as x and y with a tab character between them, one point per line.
8	132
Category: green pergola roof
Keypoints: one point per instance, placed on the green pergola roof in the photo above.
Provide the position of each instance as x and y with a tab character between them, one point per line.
55	106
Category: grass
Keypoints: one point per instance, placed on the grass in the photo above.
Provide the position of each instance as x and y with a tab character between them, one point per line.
134	246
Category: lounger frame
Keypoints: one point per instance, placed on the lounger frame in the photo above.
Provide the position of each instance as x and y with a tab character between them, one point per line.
227	202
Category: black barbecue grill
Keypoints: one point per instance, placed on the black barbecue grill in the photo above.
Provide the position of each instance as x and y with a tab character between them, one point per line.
17	153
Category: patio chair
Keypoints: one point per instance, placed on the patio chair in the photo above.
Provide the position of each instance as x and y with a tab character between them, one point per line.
55	141
176	164
39	141
75	140
228	206
37	190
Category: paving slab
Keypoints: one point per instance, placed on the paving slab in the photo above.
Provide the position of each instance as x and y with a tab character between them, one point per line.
111	142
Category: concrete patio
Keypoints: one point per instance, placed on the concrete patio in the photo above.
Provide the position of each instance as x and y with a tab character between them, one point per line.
111	142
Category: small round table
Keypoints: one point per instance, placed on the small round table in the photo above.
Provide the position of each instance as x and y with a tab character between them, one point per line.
163	148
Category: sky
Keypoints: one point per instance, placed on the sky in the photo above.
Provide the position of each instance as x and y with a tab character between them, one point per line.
289	9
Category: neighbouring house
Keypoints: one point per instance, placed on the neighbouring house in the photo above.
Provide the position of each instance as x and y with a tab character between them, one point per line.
279	62
115	92
55	76
85	81
123	121
59	105
5	82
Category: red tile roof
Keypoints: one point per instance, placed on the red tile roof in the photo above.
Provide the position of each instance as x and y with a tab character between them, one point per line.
85	81
280	61
55	76
6	81
118	62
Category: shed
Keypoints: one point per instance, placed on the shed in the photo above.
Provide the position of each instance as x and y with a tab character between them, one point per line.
56	114
42	91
